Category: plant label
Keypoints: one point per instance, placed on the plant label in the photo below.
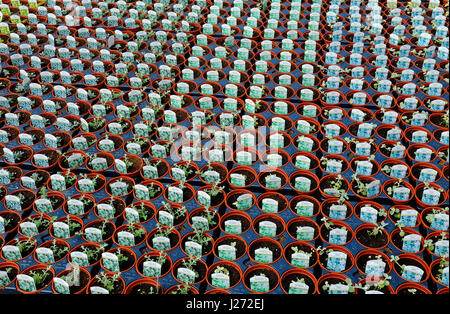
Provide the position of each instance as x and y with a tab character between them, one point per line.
75	207
26	283
337	236
141	192
412	243
375	268
165	218
150	172
336	261
259	283
227	252
125	238
338	289
61	230
412	273
193	248
185	275
110	262
302	184
270	205
408	217
369	214
401	193
61	286
244	201
233	226
4	279
399	171
428	175
304	208
441	248
43	205
118	188
300	259
431	196
105	211
98	290
373	188
93	234
200	223
440	222
45	255
423	154
11	252
305	233
263	255
338	211
335	147
161	243
296	287
29	228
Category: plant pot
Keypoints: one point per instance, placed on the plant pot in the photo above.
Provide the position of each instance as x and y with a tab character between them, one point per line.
201	268
313	179
57	201
364	256
63	160
25	204
117	204
88	204
248	173
412	260
344	239
12	274
166	263
125	264
356	189
129	186
25	252
269	272
268	173
98	183
39	286
390	183
243	217
427	217
143	286
173	235
191	236
275	221
118	286
407	287
232	198
181	289
397	240
209	214
14	221
84	278
105	226
310	211
419	195
300	261
323	259
234	273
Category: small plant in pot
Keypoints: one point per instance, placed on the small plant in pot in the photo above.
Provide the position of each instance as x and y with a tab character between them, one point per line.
48	203
406	239
171	214
439	271
154	264
184	171
65	227
36	225
365	187
130	235
335	232
376	285
61	181
109	208
18	248
86	255
139	212
204	219
436	218
128	164
190	270
154	168
197	244
35	278
118	260
211	195
51	251
398	190
372	235
163	238
409	268
90	184
107	283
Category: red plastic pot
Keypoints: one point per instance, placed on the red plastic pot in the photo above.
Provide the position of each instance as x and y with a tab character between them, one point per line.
413	260
302	246
36	268
419	190
369	254
338	224
201	268
154	255
350	259
395	239
119	286
390	183
335	277
174	237
270	272
243	217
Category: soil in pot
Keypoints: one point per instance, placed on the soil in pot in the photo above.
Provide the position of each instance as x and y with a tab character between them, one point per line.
12	218
245	223
165	266
261	243
144	288
293	277
364	258
301	247
323	258
12	272
372	241
82	283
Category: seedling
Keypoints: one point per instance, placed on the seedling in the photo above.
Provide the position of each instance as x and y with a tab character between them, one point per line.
58	252
181	289
348	281
108	282
39	277
430	216
200	238
377	229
